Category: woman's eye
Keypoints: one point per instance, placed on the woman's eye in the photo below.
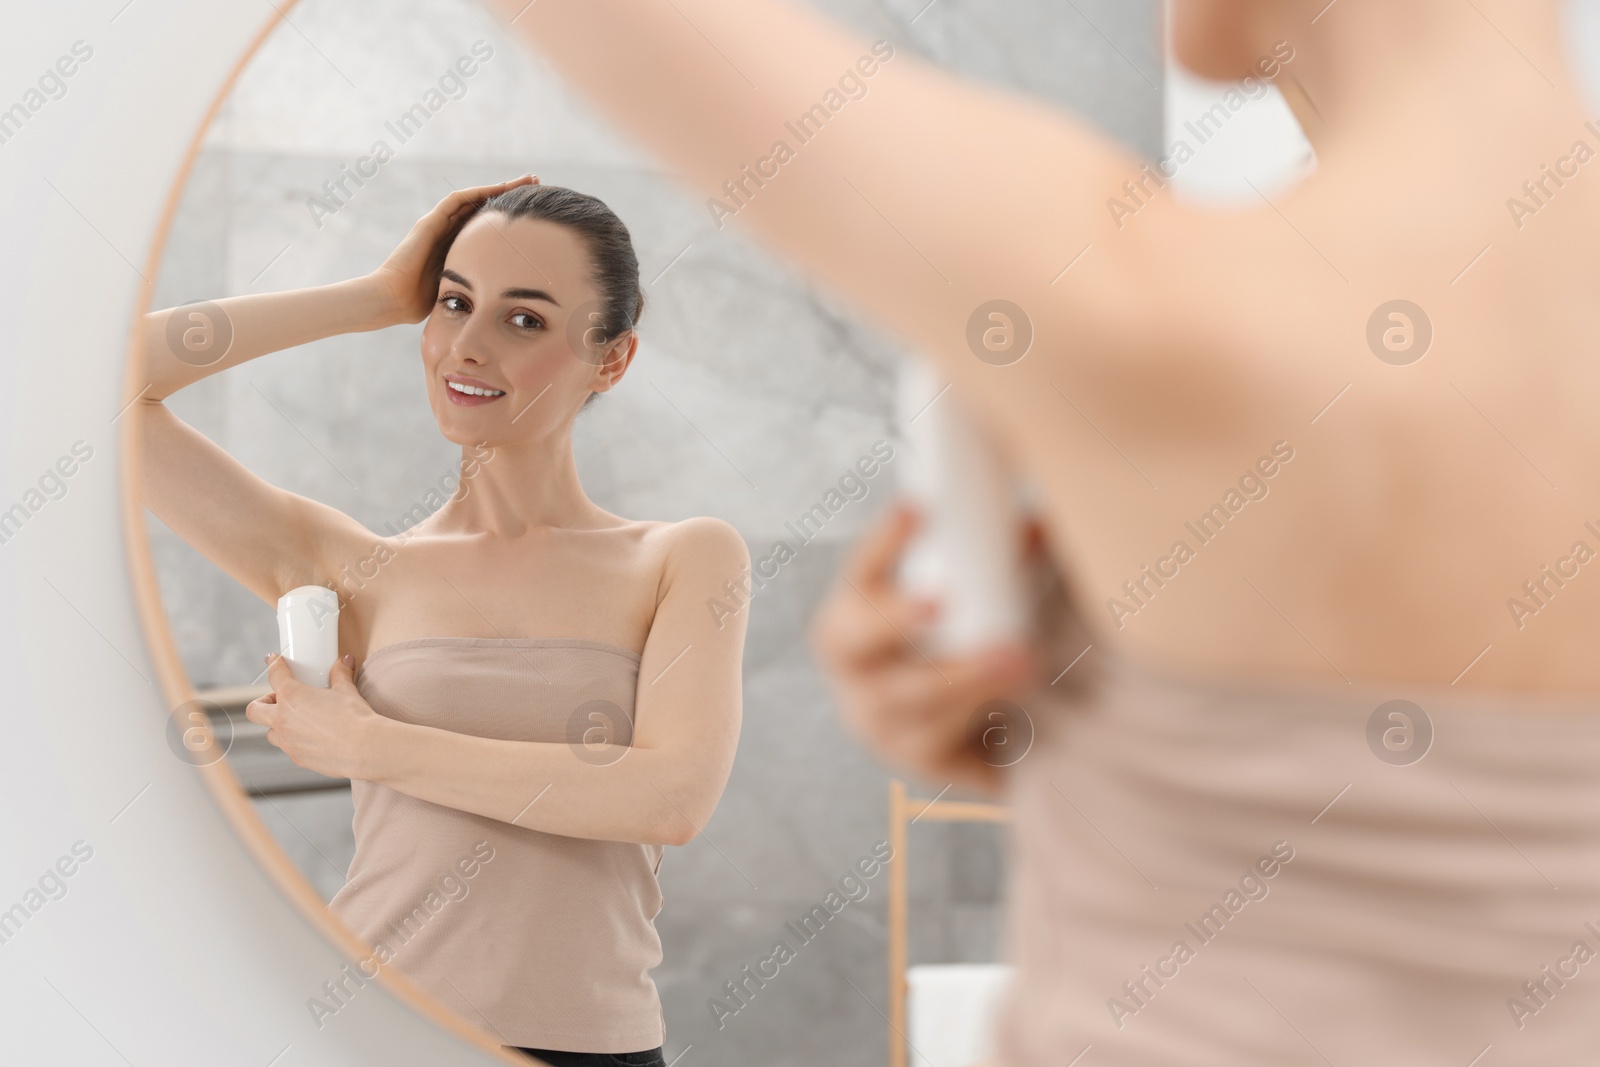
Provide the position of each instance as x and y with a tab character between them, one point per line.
530	321
449	301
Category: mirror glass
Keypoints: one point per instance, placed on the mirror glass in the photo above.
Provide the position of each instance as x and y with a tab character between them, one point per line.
752	397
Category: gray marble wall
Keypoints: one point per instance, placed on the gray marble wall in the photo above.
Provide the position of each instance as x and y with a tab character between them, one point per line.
741	363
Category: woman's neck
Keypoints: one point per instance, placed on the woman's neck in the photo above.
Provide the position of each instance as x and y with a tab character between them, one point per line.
519	488
1411	78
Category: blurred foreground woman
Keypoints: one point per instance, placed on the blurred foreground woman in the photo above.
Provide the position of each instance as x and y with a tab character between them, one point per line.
1322	487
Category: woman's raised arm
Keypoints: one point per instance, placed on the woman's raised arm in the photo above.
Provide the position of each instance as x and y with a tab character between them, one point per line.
269	539
266	538
914	194
193	341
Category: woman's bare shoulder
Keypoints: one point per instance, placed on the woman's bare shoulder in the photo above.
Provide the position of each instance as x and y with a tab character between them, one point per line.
697	535
702	544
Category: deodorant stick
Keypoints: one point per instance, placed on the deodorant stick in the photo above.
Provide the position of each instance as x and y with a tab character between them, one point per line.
968	553
308	632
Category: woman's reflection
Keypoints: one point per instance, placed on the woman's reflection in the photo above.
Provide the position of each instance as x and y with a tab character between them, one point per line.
533	699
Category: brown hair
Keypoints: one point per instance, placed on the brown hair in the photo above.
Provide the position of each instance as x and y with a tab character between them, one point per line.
614	267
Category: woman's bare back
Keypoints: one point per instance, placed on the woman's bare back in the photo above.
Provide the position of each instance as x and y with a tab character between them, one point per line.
1431	480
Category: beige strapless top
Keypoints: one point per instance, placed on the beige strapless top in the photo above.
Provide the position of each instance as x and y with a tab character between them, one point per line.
546	941
1215	871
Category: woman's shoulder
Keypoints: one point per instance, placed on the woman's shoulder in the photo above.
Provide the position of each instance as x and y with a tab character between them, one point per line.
699	541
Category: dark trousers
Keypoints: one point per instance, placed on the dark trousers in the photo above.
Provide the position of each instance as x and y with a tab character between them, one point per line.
648	1058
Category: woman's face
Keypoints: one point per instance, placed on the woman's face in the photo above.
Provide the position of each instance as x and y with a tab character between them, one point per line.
513	305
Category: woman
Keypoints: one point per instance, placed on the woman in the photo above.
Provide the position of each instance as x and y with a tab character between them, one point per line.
533	700
1297	461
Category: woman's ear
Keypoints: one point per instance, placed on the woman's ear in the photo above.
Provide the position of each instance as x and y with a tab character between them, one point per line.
619	355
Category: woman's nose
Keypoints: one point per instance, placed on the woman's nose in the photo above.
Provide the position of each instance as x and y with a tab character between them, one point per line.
468	345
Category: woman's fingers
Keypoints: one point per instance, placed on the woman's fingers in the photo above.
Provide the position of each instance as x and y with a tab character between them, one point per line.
408	279
463	198
916	721
872	564
258	710
852	632
919	711
866	616
479	192
916	691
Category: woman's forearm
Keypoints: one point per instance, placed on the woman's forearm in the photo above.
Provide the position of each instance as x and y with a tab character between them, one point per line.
640	795
193	341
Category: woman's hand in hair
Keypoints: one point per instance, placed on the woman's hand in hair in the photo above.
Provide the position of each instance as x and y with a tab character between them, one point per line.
919	715
408	281
331	731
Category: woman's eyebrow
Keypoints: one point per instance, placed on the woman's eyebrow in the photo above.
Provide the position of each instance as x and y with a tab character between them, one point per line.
509	294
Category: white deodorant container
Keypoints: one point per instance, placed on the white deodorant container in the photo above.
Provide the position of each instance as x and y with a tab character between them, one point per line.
308	632
968	550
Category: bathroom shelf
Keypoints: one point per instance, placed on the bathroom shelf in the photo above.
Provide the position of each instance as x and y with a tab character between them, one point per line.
903	811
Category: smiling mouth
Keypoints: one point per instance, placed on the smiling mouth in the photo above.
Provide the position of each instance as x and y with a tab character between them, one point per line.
471	395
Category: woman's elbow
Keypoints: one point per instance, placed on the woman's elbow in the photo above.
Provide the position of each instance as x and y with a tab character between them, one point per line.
674	826
668	829
680	818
